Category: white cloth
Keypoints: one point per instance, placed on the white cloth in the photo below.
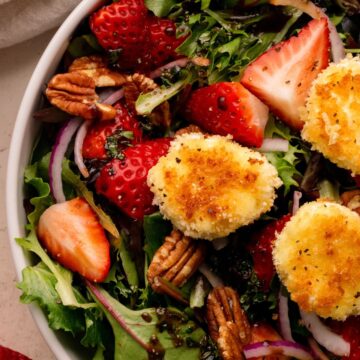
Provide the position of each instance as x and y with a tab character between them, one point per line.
23	19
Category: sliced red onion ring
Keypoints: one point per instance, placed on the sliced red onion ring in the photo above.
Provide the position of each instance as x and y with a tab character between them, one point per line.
220	243
315	348
158	72
285	327
62	142
337	46
114	97
213	279
324	336
287	348
79	141
276	144
296	202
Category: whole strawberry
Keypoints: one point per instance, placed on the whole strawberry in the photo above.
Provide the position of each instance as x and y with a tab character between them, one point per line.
227	108
120	27
105	139
160	44
261	250
123	182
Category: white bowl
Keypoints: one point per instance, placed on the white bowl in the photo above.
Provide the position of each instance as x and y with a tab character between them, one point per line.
22	141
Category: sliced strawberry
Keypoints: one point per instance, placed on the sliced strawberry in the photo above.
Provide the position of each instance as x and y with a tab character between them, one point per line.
282	76
260	248
72	234
120	26
227	108
160	44
8	354
123	182
94	146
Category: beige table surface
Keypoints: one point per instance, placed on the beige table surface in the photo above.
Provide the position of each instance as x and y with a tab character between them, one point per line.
17	328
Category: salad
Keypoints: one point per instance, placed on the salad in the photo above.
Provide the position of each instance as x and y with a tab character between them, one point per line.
194	192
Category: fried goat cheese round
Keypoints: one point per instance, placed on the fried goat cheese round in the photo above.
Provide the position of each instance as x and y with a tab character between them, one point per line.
208	186
332	114
317	257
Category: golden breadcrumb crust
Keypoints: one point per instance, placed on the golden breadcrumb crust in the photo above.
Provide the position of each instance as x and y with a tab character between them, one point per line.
332	114
209	186
317	256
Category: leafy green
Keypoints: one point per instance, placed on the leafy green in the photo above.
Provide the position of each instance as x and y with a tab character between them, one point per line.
286	163
112	143
155	230
63	286
43	199
229	42
146	103
84	45
39	285
329	190
160	7
166	331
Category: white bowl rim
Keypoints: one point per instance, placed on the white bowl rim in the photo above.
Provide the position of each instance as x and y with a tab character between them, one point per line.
14	200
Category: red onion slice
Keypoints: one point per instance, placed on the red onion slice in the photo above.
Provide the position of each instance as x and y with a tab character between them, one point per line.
276	144
158	72
287	348
79	141
296	202
315	348
324	336
285	327
220	243
62	142
213	279
337	46
114	97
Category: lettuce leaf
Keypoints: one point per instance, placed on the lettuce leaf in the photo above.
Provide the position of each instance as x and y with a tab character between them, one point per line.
39	285
173	334
67	293
287	163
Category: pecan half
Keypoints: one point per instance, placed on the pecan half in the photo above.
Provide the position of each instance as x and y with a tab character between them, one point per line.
75	94
96	67
137	84
188	130
175	262
227	322
351	199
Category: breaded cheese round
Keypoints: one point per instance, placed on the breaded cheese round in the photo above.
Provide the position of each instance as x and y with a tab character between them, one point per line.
317	257
332	114
208	186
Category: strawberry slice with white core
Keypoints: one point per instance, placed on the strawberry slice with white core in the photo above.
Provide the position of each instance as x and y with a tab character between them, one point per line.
282	76
73	235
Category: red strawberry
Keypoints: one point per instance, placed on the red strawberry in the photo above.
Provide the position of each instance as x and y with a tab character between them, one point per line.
282	76
8	354
123	182
228	108
72	234
161	43
261	250
120	26
94	146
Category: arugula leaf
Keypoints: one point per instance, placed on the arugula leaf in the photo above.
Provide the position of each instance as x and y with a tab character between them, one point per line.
146	103
144	332
155	230
39	285
67	294
160	8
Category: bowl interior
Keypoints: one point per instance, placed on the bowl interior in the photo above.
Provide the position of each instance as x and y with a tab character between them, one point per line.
22	141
